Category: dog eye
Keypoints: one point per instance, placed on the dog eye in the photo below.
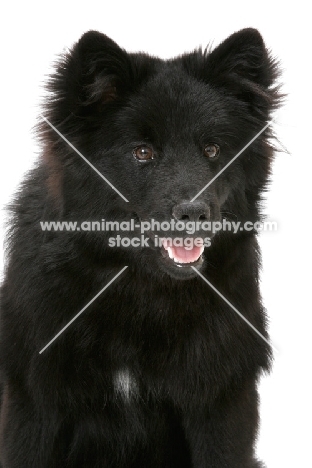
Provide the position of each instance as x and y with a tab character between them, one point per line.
212	151
143	153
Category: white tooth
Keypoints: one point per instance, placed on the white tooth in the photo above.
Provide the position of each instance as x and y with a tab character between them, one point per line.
179	260
176	260
165	244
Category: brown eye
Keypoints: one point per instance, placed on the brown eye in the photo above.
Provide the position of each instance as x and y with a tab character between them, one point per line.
143	153
212	151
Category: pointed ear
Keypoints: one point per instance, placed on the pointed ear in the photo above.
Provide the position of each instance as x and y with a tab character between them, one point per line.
243	55
241	66
95	72
103	68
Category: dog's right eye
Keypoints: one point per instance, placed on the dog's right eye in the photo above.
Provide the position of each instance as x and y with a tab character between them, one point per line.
143	153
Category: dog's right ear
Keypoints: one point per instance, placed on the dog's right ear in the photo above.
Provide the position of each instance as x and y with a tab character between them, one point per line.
104	68
95	72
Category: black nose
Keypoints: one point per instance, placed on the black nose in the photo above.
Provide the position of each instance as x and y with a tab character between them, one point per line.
195	211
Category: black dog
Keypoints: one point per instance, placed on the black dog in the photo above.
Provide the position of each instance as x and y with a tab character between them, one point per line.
158	371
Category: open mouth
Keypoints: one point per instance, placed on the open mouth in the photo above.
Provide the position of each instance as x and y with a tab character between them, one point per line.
183	256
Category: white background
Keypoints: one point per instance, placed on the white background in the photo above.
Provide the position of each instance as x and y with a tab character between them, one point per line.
33	33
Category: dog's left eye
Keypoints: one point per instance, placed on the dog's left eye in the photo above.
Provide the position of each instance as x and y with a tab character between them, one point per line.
143	153
212	151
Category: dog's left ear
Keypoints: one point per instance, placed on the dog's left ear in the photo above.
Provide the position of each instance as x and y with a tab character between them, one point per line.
243	55
242	67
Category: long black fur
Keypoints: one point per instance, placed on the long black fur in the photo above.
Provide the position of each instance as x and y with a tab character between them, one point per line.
192	364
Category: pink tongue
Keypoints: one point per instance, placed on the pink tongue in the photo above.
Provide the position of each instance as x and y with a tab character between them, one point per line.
186	256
